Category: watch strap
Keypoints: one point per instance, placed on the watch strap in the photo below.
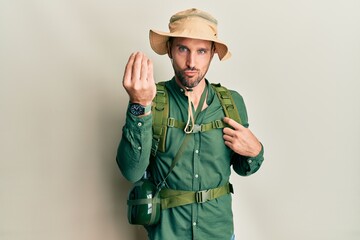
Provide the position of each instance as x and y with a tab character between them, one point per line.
147	108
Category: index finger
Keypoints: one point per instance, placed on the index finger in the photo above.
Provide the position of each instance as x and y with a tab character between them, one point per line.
232	123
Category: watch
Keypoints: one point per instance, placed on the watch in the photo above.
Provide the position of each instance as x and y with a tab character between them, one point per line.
137	109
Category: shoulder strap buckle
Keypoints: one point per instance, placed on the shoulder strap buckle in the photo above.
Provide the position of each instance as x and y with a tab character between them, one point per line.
197	128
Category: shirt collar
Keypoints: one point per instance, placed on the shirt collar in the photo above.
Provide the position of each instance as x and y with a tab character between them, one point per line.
181	92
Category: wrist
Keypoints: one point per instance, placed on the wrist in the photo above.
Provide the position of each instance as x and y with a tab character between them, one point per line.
138	109
257	150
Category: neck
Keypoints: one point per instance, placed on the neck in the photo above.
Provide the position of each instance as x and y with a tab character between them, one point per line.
196	93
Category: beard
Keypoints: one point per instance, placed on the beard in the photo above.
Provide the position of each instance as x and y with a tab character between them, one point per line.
185	81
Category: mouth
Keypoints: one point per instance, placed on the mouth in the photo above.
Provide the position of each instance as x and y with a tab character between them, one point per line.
190	73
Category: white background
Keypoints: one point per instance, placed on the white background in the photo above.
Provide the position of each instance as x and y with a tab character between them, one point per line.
62	107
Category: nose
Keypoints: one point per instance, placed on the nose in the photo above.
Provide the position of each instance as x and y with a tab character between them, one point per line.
190	61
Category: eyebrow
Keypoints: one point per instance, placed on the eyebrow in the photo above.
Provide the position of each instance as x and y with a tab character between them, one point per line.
199	49
181	45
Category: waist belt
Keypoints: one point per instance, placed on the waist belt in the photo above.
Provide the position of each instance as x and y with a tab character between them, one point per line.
173	198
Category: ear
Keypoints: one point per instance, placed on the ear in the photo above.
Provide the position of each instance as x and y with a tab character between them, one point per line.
213	48
168	46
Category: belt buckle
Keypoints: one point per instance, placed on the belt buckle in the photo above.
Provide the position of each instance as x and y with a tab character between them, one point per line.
202	196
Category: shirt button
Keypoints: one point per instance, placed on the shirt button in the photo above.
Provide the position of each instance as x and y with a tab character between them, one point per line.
196	151
139	148
139	124
249	161
194	223
196	175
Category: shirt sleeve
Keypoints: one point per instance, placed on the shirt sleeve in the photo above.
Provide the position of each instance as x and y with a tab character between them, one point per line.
135	146
246	166
243	165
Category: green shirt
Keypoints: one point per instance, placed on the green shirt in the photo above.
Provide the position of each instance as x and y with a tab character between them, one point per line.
203	165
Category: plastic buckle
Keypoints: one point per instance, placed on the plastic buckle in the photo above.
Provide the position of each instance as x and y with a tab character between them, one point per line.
202	196
218	124
171	122
197	128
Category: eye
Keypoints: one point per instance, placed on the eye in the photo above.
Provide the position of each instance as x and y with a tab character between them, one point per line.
202	51
182	49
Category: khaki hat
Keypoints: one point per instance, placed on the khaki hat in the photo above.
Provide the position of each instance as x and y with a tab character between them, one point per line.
191	23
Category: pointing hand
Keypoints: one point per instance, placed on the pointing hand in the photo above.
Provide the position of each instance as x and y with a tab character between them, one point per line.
240	139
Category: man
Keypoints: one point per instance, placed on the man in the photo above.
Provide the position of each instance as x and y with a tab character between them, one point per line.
205	163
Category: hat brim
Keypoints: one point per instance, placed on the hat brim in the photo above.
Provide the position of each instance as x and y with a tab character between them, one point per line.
158	42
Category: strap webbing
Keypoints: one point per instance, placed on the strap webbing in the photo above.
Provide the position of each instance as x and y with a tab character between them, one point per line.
160	112
227	102
161	119
173	198
172	122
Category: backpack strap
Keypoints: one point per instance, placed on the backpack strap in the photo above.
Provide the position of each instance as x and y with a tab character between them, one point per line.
227	102
161	119
160	112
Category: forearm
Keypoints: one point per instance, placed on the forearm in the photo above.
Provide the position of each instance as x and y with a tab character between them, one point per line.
135	147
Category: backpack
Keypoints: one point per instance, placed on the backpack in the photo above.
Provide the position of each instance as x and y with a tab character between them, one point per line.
162	121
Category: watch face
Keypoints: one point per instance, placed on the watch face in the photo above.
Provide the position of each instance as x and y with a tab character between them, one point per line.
136	109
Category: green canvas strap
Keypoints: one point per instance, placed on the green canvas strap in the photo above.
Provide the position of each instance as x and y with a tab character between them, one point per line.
162	121
173	198
175	160
160	112
171	122
227	102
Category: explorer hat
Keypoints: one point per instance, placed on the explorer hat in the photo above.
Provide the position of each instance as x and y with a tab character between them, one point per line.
191	23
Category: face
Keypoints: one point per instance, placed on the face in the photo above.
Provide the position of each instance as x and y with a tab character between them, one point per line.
190	59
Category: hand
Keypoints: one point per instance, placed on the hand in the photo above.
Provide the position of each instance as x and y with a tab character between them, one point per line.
240	139
138	79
